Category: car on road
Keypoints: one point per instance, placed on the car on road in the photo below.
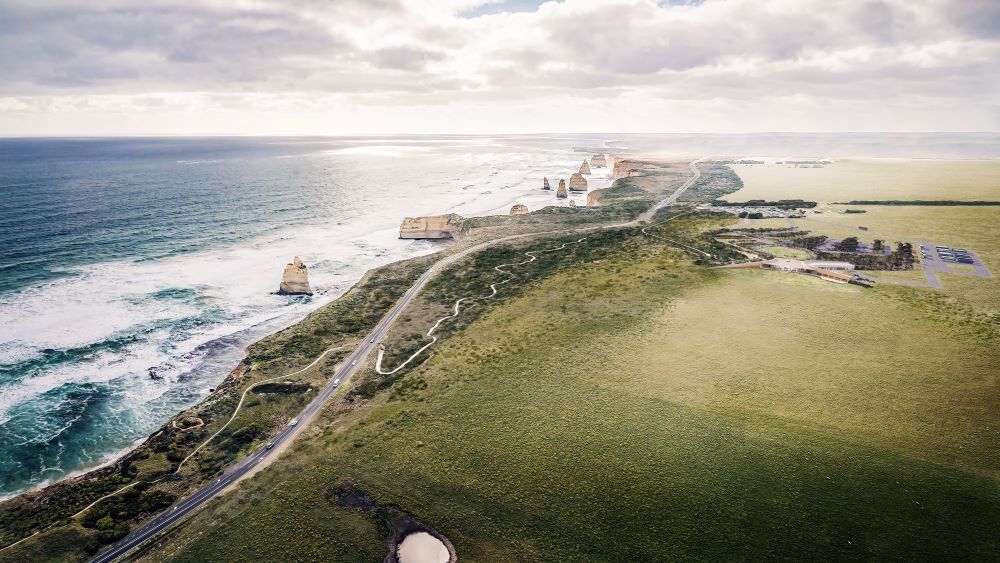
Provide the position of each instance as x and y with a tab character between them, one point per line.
269	445
336	381
354	363
293	422
372	341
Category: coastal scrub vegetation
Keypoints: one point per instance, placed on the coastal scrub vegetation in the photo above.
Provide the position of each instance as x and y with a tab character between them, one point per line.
150	468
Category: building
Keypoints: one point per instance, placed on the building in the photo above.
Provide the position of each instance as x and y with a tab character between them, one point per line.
830	271
836	277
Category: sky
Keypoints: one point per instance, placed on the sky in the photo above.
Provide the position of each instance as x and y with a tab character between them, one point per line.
317	67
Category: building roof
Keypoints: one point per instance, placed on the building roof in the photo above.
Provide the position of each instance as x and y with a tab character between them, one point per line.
829	265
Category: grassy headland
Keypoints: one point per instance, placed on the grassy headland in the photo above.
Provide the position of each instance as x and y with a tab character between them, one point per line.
632	406
616	401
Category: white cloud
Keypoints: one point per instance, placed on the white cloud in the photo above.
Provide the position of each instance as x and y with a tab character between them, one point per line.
309	66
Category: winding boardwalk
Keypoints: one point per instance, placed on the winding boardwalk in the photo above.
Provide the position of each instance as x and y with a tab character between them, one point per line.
351	365
645	216
458	304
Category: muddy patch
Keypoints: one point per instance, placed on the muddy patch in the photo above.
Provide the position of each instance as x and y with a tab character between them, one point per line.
408	540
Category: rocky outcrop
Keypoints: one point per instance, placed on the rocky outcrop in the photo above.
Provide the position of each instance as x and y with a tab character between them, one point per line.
561	192
577	182
584	168
618	170
572	203
519	209
597	161
624	168
431	227
594	198
545	184
295	280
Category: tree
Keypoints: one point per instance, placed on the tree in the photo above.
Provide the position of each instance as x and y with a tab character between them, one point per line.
849	244
878	245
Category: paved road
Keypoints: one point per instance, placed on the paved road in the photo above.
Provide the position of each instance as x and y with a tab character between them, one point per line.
695	174
349	367
352	364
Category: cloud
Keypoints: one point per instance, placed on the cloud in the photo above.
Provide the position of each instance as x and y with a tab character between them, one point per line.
504	55
404	58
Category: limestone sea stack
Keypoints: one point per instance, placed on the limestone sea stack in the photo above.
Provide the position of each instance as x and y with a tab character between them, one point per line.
545	184
584	168
594	198
295	280
572	203
561	192
597	161
577	182
431	227
519	209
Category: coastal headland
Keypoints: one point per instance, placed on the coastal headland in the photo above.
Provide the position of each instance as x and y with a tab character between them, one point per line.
579	370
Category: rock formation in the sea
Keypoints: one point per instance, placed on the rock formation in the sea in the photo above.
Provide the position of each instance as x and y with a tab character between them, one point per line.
545	184
572	203
519	209
561	192
594	198
597	161
295	280
431	227
577	182
584	168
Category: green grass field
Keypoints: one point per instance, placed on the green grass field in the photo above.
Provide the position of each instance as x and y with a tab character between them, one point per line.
848	179
784	252
635	407
973	228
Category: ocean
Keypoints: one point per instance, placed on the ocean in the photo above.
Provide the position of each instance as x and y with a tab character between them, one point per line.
133	272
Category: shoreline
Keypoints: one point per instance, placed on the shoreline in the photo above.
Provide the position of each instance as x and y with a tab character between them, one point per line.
139	448
275	324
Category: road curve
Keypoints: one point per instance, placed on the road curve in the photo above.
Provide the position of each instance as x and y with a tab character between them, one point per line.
349	367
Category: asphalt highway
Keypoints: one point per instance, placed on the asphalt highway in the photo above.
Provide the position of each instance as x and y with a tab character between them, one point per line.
349	367
352	364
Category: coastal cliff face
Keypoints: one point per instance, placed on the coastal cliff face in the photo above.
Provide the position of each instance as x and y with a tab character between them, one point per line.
431	227
577	182
561	192
519	209
584	168
295	280
597	161
545	184
624	168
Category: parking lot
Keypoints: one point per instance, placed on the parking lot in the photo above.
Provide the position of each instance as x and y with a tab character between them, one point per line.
938	258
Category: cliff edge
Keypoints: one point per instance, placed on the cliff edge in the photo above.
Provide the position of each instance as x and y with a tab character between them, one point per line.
431	227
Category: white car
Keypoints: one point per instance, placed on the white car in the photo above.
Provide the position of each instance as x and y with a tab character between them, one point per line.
372	341
293	422
354	363
336	381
